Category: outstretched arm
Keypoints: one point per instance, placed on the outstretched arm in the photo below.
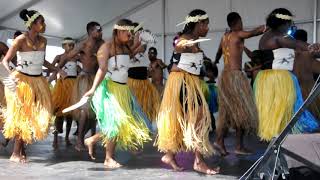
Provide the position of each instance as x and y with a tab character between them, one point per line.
255	32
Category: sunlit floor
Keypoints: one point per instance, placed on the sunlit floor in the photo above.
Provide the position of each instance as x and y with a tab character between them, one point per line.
66	163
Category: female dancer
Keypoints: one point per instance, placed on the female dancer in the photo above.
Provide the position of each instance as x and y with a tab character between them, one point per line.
184	118
120	118
29	108
277	90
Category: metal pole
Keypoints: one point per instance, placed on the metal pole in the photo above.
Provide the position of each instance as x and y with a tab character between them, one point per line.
164	30
315	9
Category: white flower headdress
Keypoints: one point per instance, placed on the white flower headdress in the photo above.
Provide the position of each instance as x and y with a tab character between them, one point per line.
123	28
284	17
193	19
31	19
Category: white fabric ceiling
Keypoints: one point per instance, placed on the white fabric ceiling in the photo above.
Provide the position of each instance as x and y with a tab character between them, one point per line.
66	17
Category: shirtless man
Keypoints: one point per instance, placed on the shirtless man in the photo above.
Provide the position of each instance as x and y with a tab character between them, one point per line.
87	50
156	69
236	103
305	65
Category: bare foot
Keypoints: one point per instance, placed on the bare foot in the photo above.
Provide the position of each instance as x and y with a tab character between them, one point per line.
68	142
80	147
202	167
221	148
242	151
169	159
16	158
90	147
111	164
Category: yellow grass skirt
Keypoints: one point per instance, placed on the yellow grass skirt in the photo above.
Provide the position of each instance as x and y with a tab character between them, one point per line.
62	95
147	96
275	97
2	104
29	109
179	129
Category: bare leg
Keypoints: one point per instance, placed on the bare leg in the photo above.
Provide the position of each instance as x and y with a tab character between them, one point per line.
68	128
93	124
219	144
90	143
109	162
169	159
200	166
16	157
240	149
57	129
23	152
81	133
77	130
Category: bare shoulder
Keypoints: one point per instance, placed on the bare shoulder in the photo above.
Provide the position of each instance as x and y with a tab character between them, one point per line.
43	39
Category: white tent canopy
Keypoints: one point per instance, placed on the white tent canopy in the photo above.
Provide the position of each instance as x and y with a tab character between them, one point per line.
69	17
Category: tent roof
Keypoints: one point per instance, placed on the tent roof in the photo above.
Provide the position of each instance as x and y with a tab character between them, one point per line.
68	18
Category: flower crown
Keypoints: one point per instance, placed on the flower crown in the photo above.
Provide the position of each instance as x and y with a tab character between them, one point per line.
284	17
31	19
194	19
68	41
123	28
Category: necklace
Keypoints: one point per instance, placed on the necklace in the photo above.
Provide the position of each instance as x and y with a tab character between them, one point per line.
32	44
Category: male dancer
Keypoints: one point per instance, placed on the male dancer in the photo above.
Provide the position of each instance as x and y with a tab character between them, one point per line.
88	57
236	101
156	69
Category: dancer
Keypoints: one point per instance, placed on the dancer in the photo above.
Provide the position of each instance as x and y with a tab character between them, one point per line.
29	108
121	120
277	90
184	118
305	65
88	57
236	101
62	92
12	66
145	92
156	69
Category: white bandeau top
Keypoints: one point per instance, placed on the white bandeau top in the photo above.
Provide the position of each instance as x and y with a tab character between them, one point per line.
118	68
70	68
30	62
283	59
140	61
191	62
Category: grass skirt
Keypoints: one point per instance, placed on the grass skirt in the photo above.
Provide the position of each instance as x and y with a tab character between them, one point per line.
62	95
2	104
119	116
29	109
237	108
147	96
179	129
278	96
83	84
